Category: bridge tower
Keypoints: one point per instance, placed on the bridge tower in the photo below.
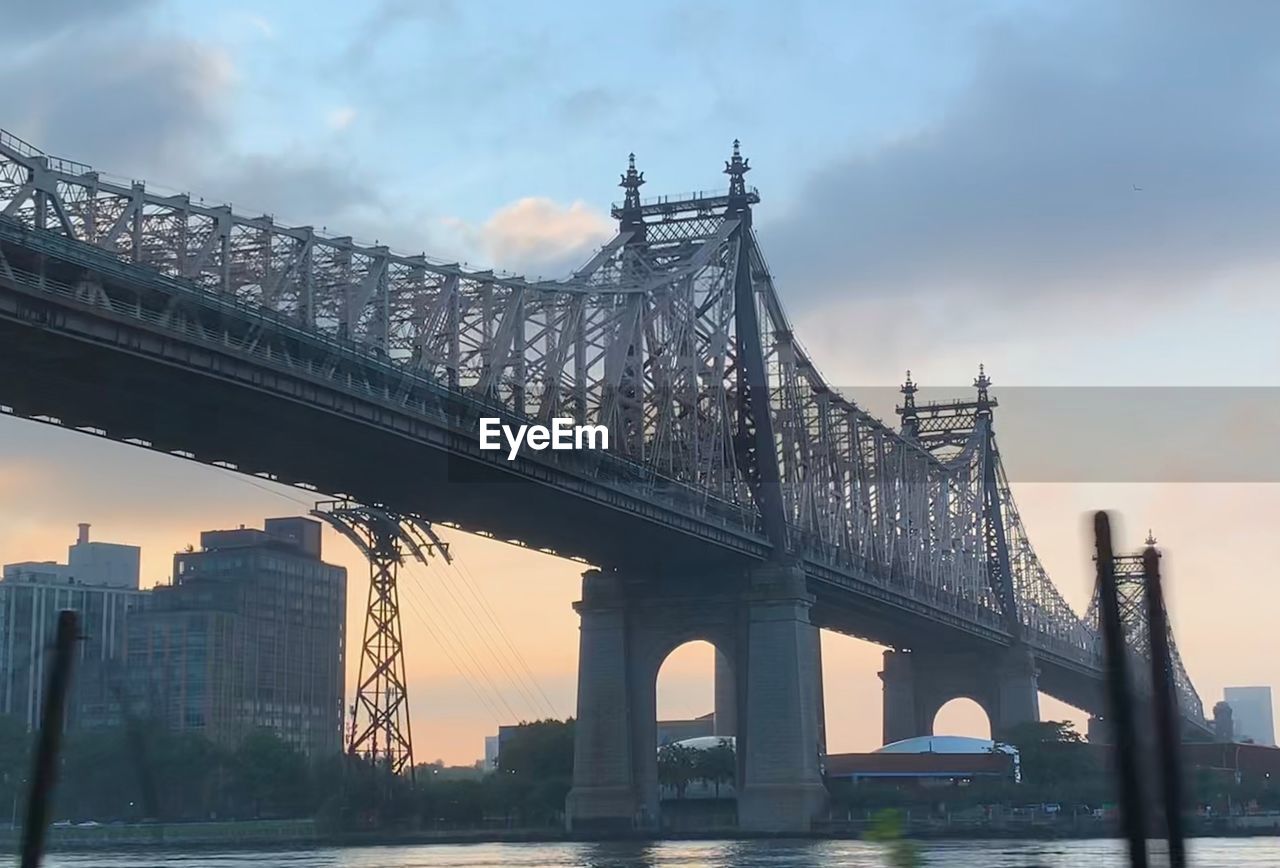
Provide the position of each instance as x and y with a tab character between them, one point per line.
1135	622
380	730
918	681
756	615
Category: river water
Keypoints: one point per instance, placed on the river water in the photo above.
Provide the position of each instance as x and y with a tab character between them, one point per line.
1204	853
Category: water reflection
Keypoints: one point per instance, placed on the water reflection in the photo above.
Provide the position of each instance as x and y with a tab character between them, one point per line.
1205	853
621	854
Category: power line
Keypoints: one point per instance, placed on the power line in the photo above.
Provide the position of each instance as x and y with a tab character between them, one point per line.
513	675
459	667
474	585
481	668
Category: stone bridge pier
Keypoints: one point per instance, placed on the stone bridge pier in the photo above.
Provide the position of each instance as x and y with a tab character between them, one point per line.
918	683
768	692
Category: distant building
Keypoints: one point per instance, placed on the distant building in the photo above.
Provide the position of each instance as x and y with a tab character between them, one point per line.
1251	714
250	634
1253	763
1224	728
100	581
490	753
927	761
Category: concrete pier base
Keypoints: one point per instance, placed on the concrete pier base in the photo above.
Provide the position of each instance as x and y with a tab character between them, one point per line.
779	764
768	693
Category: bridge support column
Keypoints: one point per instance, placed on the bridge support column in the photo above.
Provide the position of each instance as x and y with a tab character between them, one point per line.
918	683
768	674
604	788
726	718
1019	700
902	719
780	783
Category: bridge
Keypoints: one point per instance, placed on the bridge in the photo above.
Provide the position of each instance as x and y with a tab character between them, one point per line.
743	500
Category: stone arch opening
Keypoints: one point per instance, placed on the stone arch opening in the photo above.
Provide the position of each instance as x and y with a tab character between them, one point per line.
962	716
685	690
695	753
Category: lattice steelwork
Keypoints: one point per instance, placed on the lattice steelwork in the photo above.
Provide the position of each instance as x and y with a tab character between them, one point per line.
380	730
1131	592
673	335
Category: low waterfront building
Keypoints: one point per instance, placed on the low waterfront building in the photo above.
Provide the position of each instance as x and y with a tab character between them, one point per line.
927	761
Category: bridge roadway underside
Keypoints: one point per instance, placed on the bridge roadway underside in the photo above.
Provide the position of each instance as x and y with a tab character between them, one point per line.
89	367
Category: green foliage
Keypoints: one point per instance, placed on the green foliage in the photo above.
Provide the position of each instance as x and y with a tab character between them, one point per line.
1056	764
542	749
1042	732
529	788
717	765
270	775
148	772
676	767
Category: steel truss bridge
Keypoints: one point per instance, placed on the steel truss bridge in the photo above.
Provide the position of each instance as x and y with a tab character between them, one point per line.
353	370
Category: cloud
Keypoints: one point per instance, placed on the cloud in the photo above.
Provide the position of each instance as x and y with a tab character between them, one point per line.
262	25
114	93
28	22
155	107
340	118
310	189
538	236
1097	148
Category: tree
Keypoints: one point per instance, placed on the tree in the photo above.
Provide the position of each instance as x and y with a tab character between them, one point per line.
541	749
676	767
271	775
1053	759
535	772
717	765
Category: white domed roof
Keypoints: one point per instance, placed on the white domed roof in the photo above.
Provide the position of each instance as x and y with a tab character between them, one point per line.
705	742
944	744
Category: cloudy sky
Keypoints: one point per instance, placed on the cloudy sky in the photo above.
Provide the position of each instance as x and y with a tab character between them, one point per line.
1078	194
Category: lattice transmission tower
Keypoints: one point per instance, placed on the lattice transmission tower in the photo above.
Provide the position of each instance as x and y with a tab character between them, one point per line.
380	729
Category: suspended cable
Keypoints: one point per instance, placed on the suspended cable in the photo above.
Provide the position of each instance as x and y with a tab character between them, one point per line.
487	607
514	675
467	676
447	619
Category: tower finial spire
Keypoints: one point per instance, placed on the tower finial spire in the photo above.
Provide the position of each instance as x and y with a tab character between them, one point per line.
910	418
630	217
737	168
1151	537
982	384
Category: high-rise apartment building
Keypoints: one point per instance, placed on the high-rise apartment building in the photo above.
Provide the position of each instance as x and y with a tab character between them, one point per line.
1251	714
100	582
251	633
